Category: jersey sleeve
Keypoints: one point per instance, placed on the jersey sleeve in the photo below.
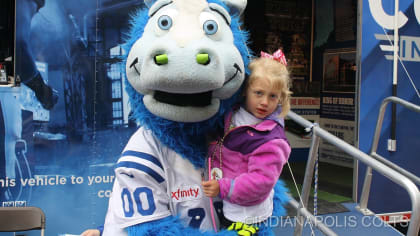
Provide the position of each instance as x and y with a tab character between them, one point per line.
139	192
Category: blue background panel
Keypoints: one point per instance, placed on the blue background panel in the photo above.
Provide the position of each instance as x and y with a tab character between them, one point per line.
376	85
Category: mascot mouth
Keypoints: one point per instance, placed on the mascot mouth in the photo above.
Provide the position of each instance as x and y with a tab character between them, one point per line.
178	99
238	69
193	100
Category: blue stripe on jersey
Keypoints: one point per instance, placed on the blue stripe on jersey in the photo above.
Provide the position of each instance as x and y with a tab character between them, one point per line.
144	156
141	167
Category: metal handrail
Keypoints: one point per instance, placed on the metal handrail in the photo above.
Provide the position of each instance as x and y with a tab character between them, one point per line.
378	128
388	172
368	177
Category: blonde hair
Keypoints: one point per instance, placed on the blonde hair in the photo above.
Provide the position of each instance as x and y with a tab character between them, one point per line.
276	74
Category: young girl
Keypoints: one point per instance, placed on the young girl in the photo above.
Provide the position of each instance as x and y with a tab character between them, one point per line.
247	161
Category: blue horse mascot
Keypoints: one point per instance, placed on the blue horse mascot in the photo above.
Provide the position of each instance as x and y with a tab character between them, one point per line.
185	65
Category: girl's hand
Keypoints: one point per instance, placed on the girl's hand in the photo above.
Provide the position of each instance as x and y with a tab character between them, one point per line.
211	188
91	232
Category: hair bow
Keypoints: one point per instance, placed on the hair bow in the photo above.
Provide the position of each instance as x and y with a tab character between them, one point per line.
277	55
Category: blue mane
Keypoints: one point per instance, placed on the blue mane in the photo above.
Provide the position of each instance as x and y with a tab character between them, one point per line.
187	139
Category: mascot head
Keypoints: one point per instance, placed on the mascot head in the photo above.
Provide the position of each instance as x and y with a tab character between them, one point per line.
185	66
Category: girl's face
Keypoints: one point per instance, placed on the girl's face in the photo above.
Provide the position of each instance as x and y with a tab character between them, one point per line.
261	98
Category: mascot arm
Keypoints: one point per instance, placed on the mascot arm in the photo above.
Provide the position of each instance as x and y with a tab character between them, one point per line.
264	167
281	198
170	226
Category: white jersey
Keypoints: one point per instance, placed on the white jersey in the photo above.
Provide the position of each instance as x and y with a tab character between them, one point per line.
153	182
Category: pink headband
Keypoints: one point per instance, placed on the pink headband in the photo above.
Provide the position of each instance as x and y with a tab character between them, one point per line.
277	55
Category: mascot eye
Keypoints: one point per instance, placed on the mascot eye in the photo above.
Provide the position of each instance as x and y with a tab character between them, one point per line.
165	22
210	27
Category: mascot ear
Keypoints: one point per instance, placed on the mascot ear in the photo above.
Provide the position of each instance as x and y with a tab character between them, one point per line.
236	5
149	3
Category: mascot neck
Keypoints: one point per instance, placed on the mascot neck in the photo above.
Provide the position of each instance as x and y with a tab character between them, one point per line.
187	139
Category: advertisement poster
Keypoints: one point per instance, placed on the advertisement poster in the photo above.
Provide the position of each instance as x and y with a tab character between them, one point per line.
337	114
299	139
377	83
64	127
307	107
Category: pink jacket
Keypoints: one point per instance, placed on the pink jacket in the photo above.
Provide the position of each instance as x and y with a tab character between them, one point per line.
252	160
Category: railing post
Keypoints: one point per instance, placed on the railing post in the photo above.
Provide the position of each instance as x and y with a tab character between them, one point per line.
307	182
364	198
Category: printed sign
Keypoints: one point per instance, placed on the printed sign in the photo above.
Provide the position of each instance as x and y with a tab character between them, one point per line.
307	107
338	104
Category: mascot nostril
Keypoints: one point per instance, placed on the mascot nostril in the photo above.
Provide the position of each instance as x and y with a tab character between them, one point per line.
203	59
161	59
157	186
